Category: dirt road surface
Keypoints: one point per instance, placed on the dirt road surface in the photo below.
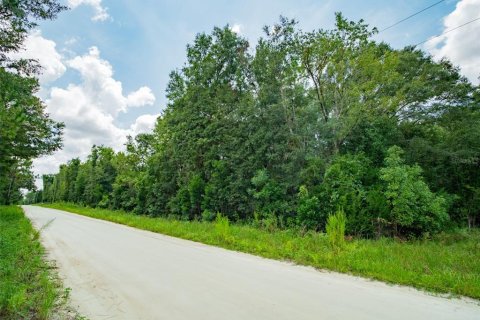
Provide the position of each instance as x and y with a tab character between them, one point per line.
118	272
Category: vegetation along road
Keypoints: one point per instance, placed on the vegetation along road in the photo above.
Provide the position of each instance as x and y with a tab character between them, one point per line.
125	273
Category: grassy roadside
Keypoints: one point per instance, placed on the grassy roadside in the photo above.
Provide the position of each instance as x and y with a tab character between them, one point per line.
28	287
450	263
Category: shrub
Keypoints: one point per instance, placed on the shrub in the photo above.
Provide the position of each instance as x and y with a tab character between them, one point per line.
309	214
344	186
414	209
208	215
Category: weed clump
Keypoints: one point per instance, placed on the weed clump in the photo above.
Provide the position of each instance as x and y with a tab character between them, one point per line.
336	229
222	227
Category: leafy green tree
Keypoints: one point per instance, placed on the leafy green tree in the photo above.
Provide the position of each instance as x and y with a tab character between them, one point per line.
131	167
26	130
20	16
196	188
48	188
18	176
32	197
413	207
295	130
80	184
449	151
101	176
334	61
200	125
73	167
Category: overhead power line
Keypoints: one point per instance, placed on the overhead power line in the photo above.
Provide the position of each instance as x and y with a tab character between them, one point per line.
412	15
449	30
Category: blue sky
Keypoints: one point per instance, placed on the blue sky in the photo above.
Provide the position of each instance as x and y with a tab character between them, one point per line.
107	61
145	40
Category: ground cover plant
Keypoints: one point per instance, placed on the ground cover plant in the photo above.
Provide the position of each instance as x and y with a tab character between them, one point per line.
28	287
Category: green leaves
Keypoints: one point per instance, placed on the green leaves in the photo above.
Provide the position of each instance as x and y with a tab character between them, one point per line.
295	130
268	194
309	213
26	131
18	18
413	206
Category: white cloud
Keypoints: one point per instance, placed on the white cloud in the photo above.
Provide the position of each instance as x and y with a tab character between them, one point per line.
144	123
237	28
89	110
461	46
141	97
101	13
103	90
44	51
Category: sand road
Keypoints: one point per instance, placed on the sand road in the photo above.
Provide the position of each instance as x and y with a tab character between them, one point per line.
118	272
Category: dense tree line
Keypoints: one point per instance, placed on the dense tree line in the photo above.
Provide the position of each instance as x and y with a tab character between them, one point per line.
26	131
303	125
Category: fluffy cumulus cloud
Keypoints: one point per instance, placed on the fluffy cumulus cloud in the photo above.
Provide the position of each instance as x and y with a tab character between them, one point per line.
144	123
461	46
101	13
89	110
105	92
141	97
44	51
237	28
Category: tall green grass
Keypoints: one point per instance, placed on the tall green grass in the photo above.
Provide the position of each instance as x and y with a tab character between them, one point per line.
222	226
449	263
27	288
336	229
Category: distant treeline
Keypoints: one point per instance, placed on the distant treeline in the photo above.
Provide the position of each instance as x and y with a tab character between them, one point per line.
303	125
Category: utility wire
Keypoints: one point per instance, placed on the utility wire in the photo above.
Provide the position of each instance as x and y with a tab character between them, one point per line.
450	30
412	15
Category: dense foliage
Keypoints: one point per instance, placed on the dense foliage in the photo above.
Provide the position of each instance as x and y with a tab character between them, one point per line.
26	131
306	124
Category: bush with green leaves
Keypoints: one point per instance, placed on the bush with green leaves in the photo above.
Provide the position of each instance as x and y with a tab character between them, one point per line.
344	187
208	215
414	209
309	213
